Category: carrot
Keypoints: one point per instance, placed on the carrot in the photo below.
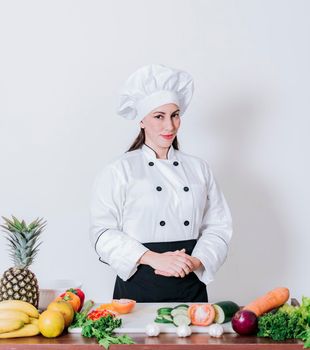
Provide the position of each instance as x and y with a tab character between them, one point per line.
269	301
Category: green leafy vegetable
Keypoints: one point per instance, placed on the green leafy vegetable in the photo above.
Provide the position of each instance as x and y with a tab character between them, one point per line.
102	330
287	322
81	317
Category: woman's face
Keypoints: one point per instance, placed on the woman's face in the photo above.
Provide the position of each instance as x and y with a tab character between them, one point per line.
161	126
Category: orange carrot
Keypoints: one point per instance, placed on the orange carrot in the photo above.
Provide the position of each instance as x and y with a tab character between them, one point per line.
269	301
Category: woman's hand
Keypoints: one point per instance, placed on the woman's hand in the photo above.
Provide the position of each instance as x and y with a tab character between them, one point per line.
169	263
195	263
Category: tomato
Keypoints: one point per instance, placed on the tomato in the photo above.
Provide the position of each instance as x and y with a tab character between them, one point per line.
71	298
96	314
123	306
201	314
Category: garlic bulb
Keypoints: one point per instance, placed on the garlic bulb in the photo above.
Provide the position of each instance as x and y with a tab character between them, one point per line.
216	330
152	330
184	331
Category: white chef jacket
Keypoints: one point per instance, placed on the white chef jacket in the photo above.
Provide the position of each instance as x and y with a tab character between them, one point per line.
138	198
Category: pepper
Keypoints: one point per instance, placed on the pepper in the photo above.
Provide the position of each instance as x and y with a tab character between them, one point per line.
79	293
96	314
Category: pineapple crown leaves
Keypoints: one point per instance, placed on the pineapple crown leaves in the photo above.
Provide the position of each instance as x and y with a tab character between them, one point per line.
22	239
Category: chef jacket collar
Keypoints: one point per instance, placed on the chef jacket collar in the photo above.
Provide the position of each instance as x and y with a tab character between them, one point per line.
152	154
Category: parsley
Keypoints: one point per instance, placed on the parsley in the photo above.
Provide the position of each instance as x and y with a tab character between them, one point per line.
287	323
102	330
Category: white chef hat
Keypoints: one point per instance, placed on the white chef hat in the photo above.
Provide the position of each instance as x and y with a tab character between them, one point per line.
152	86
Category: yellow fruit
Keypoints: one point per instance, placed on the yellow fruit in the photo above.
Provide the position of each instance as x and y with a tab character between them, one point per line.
14	315
51	323
27	331
34	321
19	305
65	309
10	325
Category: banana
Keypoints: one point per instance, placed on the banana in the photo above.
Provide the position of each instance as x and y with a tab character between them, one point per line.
10	325
19	305
27	331
14	315
34	320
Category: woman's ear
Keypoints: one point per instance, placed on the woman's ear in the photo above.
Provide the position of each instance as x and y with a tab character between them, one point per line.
141	124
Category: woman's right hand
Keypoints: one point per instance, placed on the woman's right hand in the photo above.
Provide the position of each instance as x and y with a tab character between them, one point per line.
169	264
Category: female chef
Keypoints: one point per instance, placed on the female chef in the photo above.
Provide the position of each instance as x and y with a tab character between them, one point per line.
158	217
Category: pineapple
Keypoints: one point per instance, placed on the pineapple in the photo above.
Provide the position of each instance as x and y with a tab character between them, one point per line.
18	282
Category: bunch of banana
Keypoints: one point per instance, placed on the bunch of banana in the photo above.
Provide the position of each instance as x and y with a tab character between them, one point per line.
18	319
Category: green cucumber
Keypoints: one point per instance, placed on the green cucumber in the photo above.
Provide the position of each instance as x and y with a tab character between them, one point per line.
162	319
224	311
168	318
164	311
179	311
180	319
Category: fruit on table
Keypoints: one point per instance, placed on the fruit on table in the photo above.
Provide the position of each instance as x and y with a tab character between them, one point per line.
51	323
201	314
27	330
64	308
18	282
245	322
123	306
14	315
18	305
271	300
71	298
10	325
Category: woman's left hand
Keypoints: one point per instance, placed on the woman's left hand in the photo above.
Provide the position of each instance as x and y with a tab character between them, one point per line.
196	263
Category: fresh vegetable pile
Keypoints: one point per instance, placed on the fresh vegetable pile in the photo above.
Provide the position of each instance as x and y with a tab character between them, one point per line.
287	322
101	322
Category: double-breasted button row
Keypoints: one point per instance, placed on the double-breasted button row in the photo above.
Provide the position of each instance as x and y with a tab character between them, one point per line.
159	188
175	163
163	223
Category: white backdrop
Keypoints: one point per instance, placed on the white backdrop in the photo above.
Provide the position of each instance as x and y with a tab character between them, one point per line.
61	66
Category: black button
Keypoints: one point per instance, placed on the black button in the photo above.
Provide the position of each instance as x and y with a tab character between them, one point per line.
186	189
175	163
151	163
162	223
186	223
158	188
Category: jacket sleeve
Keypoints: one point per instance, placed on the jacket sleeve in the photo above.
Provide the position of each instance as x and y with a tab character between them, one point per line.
215	232
113	246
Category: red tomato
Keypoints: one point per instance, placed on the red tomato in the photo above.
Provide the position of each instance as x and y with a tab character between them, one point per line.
201	314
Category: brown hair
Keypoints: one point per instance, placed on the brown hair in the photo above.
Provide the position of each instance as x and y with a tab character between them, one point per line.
140	139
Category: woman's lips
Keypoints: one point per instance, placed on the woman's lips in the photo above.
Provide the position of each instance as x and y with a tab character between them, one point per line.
168	137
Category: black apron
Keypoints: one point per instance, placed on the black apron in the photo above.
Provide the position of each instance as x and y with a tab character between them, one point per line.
145	286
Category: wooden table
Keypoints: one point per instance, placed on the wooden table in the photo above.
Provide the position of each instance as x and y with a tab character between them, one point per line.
162	342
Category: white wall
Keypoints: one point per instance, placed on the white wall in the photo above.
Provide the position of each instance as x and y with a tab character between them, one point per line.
61	65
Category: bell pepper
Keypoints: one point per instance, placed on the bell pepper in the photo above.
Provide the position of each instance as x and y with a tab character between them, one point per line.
79	293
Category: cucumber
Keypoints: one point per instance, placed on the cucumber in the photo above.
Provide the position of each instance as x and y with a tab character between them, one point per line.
179	311
168	318
162	319
179	320
224	311
164	311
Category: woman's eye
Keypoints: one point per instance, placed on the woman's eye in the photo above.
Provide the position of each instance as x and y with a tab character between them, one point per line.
176	115
158	116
